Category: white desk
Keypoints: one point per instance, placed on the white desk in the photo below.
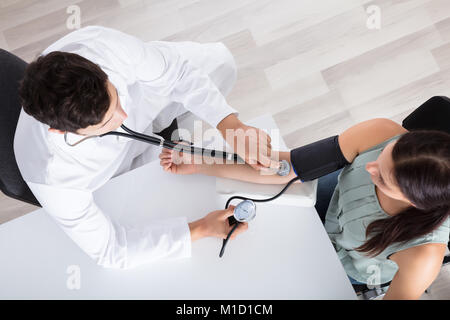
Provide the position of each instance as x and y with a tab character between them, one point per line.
286	253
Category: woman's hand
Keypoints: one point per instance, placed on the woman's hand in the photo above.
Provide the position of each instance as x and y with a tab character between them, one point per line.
177	162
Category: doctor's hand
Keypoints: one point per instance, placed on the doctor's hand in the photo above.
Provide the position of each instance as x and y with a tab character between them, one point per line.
215	224
250	143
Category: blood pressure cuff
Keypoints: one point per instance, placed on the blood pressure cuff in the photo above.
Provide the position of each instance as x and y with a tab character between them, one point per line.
318	159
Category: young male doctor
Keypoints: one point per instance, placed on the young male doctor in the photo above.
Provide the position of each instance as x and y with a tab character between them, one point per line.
90	82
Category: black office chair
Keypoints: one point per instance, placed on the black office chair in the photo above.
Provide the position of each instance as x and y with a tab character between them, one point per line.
434	114
12	184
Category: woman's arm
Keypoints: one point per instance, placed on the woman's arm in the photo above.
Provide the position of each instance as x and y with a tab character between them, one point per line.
245	172
352	141
366	134
173	162
418	268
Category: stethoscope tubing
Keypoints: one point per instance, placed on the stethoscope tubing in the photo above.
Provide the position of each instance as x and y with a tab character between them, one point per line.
232	157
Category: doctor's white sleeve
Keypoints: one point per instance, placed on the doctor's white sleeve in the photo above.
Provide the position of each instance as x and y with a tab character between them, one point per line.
109	244
194	88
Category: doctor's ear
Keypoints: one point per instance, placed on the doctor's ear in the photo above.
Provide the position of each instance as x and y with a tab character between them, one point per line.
55	131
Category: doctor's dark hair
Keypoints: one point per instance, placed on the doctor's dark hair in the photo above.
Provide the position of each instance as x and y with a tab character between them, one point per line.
422	172
65	91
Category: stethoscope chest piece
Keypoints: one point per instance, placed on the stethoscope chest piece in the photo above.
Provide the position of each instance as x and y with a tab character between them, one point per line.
245	211
284	168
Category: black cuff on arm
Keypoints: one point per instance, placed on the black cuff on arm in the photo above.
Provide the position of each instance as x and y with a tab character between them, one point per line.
318	159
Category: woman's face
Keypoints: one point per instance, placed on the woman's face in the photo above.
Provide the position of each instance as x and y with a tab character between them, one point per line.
381	174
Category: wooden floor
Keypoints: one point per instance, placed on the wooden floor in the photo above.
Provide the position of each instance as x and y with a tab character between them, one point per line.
312	64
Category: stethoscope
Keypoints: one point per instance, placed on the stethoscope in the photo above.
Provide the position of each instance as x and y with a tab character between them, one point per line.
245	211
162	143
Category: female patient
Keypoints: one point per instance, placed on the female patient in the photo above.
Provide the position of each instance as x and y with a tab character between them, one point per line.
388	217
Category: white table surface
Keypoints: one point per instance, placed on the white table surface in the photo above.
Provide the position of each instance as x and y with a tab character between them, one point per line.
286	253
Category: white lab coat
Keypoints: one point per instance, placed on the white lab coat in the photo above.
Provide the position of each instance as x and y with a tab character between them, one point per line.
156	81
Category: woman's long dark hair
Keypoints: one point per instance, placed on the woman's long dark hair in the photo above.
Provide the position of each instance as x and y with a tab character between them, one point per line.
422	172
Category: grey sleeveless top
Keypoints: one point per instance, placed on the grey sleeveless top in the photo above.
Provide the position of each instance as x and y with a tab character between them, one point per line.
353	206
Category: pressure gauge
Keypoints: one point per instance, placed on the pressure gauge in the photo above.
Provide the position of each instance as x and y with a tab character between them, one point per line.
245	211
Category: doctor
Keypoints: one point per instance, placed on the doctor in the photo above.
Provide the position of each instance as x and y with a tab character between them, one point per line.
90	82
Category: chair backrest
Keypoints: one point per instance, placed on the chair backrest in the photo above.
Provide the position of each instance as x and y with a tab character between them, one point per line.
434	114
12	184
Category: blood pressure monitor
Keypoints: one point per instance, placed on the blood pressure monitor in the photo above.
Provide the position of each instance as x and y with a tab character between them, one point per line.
245	211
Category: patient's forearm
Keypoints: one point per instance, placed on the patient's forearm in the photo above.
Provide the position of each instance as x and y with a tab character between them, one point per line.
244	172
